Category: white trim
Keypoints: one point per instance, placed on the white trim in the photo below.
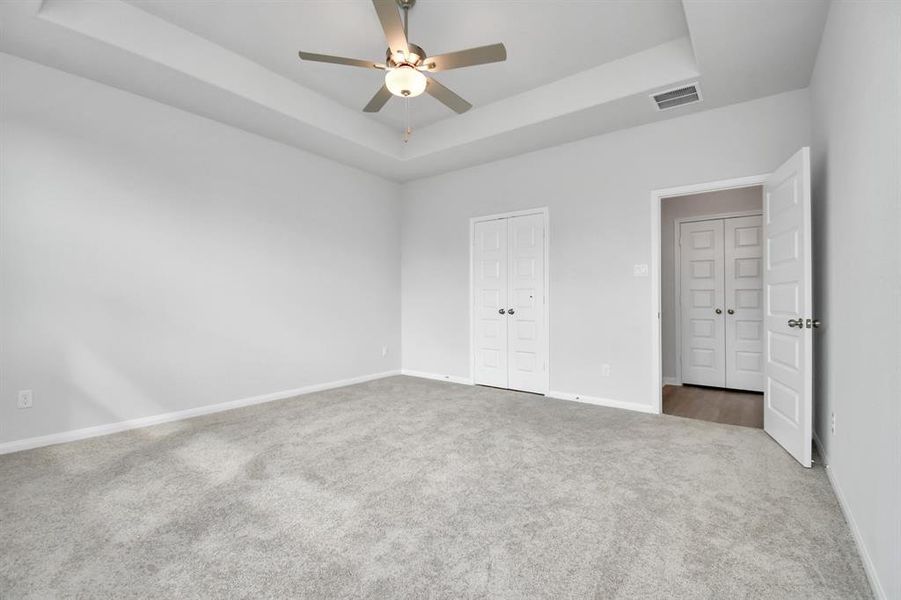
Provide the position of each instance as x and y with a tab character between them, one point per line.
711	186
541	210
643	408
436	376
672	381
677	269
726	215
547	288
90	432
868	566
656	392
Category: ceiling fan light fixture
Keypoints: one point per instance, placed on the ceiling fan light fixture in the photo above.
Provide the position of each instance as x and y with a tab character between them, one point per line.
405	62
405	81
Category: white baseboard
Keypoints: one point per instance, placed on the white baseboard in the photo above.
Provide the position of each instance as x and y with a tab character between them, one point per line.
644	408
552	394
89	432
671	381
869	568
437	376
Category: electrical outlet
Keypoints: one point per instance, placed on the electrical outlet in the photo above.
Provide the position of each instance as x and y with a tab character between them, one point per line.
605	370
640	270
384	350
24	399
832	424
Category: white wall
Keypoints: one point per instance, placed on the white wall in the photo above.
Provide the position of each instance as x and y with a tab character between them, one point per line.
156	261
681	207
856	108
598	192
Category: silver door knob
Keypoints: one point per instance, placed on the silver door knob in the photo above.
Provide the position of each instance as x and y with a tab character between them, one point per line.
501	311
730	311
719	311
510	311
799	323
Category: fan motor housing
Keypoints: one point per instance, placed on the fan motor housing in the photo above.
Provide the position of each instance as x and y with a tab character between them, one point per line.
415	57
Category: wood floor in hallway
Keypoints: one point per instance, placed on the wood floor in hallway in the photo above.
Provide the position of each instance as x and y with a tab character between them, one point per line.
732	407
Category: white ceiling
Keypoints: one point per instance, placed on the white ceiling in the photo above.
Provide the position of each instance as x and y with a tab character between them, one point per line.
575	68
545	41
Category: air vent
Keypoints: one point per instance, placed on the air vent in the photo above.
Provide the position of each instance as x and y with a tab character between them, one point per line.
677	97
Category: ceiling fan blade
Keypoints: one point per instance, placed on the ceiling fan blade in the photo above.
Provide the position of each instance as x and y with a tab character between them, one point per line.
447	97
391	22
339	60
378	101
467	58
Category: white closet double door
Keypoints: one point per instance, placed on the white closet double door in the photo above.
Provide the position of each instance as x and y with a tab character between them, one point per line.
509	334
722	303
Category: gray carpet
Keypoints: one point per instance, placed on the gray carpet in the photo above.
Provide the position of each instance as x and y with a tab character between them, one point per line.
407	488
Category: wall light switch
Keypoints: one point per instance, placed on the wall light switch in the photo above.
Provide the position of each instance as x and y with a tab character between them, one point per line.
384	350
640	270
24	399
605	370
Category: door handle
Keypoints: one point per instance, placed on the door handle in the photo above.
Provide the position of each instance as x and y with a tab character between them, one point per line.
815	323
730	311
719	311
510	311
501	311
799	323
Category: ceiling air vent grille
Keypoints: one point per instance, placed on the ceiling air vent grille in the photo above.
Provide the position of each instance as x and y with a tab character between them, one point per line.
677	97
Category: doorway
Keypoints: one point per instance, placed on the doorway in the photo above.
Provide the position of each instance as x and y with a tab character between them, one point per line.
789	319
712	305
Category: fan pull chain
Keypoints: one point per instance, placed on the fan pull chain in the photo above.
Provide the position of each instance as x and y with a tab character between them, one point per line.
408	130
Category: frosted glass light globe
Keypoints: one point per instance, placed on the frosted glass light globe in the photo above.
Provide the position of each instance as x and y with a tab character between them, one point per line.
405	81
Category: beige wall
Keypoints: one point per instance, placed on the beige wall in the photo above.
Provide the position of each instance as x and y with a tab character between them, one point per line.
710	203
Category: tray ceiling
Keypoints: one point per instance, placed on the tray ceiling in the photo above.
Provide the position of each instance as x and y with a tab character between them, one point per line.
575	69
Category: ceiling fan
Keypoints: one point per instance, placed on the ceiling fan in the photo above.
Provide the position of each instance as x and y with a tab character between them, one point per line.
406	63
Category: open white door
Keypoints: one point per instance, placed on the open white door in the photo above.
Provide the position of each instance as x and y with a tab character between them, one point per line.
788	400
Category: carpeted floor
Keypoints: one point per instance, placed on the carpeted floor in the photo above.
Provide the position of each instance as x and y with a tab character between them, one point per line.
408	488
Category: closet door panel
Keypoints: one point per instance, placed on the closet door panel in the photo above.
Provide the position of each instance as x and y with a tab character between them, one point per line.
744	303
702	293
526	329
490	302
